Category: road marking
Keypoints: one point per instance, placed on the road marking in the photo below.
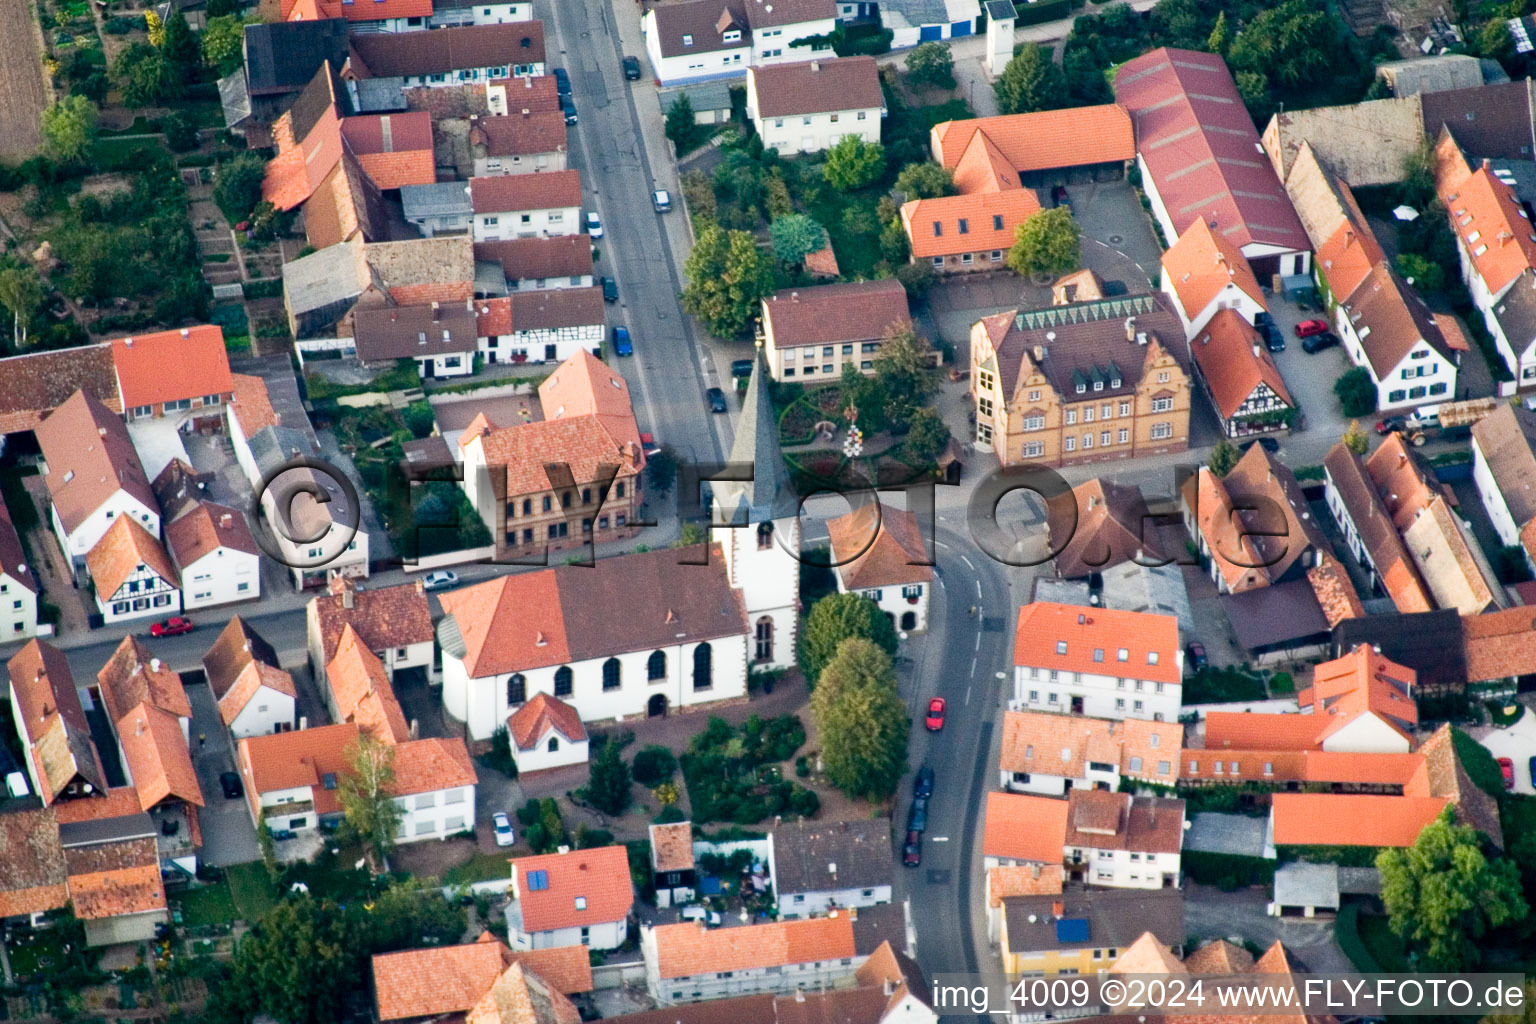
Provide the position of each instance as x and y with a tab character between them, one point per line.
973	665
939	839
971	567
944	546
978	585
978	641
968	691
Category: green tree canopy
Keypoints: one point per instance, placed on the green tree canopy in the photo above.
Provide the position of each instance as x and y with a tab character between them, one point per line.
1442	894
21	292
1048	242
795	237
931	63
237	186
834	619
69	129
222	41
1356	392
1220	37
902	368
1223	457
1355	438
410	914
145	76
728	276
681	128
608	780
926	435
853	163
926	180
1031	81
302	964
1293	43
369	812
861	721
180	46
1427	277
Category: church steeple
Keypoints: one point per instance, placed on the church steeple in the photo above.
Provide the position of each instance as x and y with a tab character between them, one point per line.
769	495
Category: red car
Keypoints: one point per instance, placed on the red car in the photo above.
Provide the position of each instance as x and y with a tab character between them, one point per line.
935	719
1307	328
1507	767
171	627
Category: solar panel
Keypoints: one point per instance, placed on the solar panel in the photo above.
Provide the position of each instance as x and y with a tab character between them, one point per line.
538	881
1072	929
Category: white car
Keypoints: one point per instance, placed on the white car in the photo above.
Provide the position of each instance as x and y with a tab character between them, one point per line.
442	579
503	828
662	200
594	224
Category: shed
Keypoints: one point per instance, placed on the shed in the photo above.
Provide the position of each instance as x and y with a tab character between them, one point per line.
711	101
1302	889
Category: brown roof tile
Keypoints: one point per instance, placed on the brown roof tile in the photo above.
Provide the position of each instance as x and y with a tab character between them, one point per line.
1336	595
1107	524
698	26
1044	139
877	545
386	617
90	457
597	877
1022	880
157	756
1101	820
1358	495
511	192
33	880
520	132
1234	363
360	690
672	847
1219	957
449	979
556	308
534	258
1501	644
53	722
1445	776
831	313
387	54
521	997
236	646
119	554
1396	317
132	676
206	529
816	86
114	879
39	382
409	332
13	557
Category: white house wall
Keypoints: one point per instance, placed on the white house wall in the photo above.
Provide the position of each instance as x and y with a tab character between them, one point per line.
1493	498
78	544
1124	869
810	904
1103	696
18	610
435	815
1367	734
692	67
509	224
604	935
155	597
812	133
544	284
263	714
893	600
535	346
531	163
538	757
482	14
220	577
772	45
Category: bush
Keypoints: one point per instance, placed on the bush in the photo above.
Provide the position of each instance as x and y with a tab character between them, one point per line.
1227	871
654	765
1212	685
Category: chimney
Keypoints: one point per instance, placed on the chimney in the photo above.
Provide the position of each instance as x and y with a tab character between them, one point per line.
816	66
186	332
1130	328
563	850
421	586
1058	908
226	520
1485	163
154	664
1039	353
794	296
415	728
140	730
799	995
1256	351
128	342
539	640
303	722
436	311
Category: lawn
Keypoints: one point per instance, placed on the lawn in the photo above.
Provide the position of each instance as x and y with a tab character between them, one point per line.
208	904
482	867
251	889
1213	685
1383	943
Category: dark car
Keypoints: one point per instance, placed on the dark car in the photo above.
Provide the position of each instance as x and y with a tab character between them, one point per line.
716	400
1273	339
1390	425
632	68
229	782
610	290
912	851
923	784
568	108
622	345
1269	444
562	82
1194	653
1060	198
917	817
741	367
1318	342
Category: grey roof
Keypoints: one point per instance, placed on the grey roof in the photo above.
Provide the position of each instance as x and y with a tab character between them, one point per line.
1076	592
379	95
1000	10
1432	74
235	98
819	856
1116	918
916	12
769	494
701	97
1301	884
440	199
322	278
1284	615
1516	313
1159	589
1235	834
884	922
1359	882
272	446
283	56
105	830
449	638
1430	643
490	280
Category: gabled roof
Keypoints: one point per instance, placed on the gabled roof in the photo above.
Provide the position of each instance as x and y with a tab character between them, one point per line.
292	760
34	875
122	550
1351	819
52	721
236	647
1235	363
248	683
115	879
393	149
1103	640
1373	524
1025	827
1346	247
698	26
1218	957
1501	644
309	143
1362	681
206	529
1390	319
1044	139
1445	776
169	366
672	846
13	557
1454	569
1203	265
573	889
463	48
532	258
1393	125
361	692
770	494
1255	520
1112	524
282	57
410	332
39	382
1199	145
512	192
982	167
1492	226
520	132
1100	820
1507	439
132	675
584	385
525	454
1022	880
521	997
816	86
1336	594
1109	918
772	13
1147	956
384	617
449	979
1491	120
831	313
157	756
430	764
90	457
689	949
877	545
1042	743
966	223
820	856
528	725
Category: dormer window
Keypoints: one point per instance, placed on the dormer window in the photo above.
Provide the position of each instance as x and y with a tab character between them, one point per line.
731	36
1081	388
1115	382
938	229
687	40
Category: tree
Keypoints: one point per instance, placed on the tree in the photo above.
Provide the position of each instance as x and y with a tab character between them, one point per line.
917	278
853	163
180	46
1355	438
1494	40
410	914
1253	88
1427	277
661	469
302	964
861	721
681	126
795	237
1442	894
1293	43
902	368
728	276
1220	36
222	40
1048	242
21	292
1356	392
931	64
370	814
1085	78
927	435
69	129
608	780
145	76
834	619
237	186
926	180
180	131
221	8
654	765
1525	1015
155	28
1031	81
1223	457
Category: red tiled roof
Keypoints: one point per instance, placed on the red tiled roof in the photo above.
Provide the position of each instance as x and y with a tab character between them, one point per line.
169	366
1020	827
115	879
596	879
445	50
360	690
1095	639
584	385
1492	226
384	617
1045	139
430	764
1234	363
394	149
1351	819
1203	265
451	979
252	404
990	219
831	313
90	457
1012	880
689	949
39	382
292	760
133	675
376	10
157	756
1361	681
522	131
528	724
248	683
533	258
550	190
206	529
33	880
1501	644
121	551
877	545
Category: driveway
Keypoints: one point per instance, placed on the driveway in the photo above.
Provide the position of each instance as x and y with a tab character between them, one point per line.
228	835
1210	913
1118	241
1518	743
1310	377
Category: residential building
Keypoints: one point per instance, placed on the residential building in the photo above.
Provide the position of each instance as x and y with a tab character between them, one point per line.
1412	354
777	28
546	732
1204	272
1501	650
521	142
1055	754
447	56
132	575
535	264
321	290
35	879
114	879
62	762
820	867
963	233
672	865
811	105
19	588
1109	524
255	696
173	374
440	339
1252	527
687	962
1121	841
536	92
1195	147
710	101
1033	879
1081	383
879	551
379	16
93	475
1394	125
1044	147
1240	377
40	382
811	333
1351	819
357	690
1023	830
518	206
452	13
532	326
426	983
442	208
280	59
1504	469
575	897
215	555
1345	245
1491	121
1098	662
1430	643
699	40
1082	932
395	623
1362	518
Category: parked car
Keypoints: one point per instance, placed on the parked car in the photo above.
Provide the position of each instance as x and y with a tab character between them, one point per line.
1307	328
648	444
1507	769
1194	654
741	367
1269	444
568	108
632	68
912	851
1318	342
229	782
1273	339
917	816
1060	198
935	719
610	290
1390	425
716	400
662	200
1531	767
594	224
621	342
502	826
174	626
922	785
562	82
442	579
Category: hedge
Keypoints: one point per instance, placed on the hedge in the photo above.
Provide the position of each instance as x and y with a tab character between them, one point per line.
1347	931
1227	871
268	289
1044	10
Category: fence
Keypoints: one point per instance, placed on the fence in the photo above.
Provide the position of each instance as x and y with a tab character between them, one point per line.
606	976
426	563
